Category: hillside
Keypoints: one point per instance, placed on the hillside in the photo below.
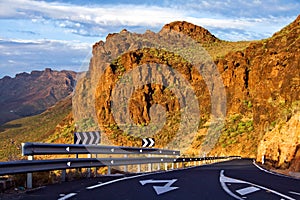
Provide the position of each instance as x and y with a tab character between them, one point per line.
31	94
38	128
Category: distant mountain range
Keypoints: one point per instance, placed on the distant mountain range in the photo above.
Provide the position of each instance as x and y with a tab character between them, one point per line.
31	94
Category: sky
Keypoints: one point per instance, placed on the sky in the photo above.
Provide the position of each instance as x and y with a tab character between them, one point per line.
59	34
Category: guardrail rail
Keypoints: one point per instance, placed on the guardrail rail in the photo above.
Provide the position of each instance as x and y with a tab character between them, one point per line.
32	149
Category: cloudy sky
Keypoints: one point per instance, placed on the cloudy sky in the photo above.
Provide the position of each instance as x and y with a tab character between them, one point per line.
59	34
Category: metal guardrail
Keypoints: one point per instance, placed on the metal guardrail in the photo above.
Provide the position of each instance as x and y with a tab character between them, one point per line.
32	149
27	166
29	149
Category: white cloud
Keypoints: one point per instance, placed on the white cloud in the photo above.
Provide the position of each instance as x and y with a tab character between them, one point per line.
25	55
130	15
98	20
71	29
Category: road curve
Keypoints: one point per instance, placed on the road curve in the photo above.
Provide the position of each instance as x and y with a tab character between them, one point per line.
236	179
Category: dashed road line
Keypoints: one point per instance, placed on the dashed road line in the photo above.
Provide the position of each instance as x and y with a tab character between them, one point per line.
296	193
247	190
114	181
67	196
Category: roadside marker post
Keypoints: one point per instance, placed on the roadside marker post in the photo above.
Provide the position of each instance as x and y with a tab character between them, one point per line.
29	176
125	166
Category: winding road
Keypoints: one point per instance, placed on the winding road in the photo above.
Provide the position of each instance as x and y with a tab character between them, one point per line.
236	179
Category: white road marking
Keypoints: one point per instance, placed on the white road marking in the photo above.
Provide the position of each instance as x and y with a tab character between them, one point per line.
269	172
67	196
161	189
224	179
247	190
114	181
296	193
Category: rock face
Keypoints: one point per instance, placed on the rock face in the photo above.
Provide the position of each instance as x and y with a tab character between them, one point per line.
280	147
30	94
262	84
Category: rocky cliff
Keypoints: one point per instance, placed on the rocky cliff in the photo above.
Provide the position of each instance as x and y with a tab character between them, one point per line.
261	80
30	94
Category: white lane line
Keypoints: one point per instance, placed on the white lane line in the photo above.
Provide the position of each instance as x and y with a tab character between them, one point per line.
114	181
247	190
296	193
223	179
67	196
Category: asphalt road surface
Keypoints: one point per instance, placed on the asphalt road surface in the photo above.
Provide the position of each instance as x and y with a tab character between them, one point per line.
236	179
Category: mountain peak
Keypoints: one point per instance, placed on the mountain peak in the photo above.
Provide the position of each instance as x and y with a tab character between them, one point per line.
198	33
292	28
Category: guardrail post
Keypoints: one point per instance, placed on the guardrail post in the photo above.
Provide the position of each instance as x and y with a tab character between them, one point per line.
29	176
125	166
108	170
96	168
63	175
139	168
89	169
166	164
149	165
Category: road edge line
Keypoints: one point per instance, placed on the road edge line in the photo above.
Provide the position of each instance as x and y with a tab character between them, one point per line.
273	173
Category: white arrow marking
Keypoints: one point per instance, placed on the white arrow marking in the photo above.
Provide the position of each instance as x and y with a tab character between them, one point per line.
78	138
145	142
85	138
92	137
151	142
224	179
161	189
98	136
69	164
68	149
